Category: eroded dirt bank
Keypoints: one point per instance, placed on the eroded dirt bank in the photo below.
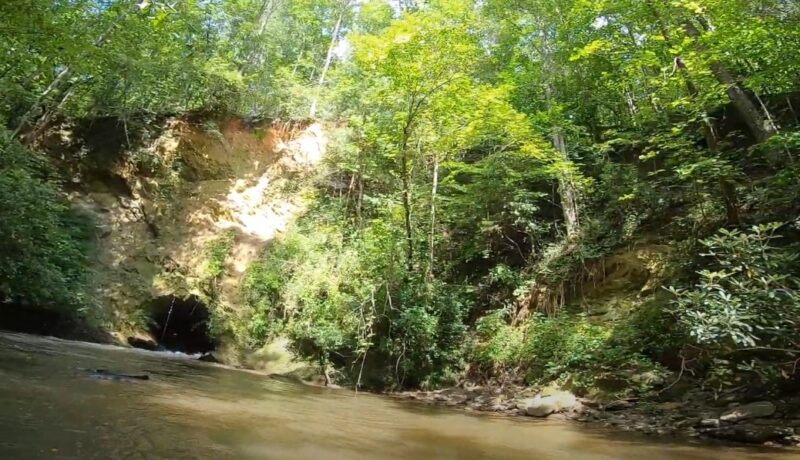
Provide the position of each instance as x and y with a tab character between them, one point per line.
182	206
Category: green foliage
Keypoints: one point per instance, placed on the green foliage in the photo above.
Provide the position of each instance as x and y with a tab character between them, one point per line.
748	297
573	350
568	349
217	252
43	241
496	344
319	291
429	333
122	58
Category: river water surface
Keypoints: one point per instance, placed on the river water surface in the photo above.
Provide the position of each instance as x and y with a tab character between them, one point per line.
50	409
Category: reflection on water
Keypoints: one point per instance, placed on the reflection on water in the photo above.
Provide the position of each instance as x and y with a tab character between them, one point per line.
188	410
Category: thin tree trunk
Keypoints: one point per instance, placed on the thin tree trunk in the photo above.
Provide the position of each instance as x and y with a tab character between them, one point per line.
709	133
434	191
566	188
328	59
268	8
50	88
359	190
265	13
727	187
360	196
299	57
42	123
629	98
61	77
758	124
791	109
405	171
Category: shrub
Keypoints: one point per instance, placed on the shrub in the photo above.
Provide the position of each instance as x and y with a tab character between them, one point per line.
43	242
571	349
748	297
429	331
742	313
320	290
496	344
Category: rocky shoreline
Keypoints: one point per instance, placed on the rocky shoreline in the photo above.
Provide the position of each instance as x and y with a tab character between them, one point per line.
770	422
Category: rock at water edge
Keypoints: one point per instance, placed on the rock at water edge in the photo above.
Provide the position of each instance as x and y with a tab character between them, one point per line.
748	411
542	406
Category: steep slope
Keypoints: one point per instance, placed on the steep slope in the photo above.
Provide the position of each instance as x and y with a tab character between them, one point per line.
182	206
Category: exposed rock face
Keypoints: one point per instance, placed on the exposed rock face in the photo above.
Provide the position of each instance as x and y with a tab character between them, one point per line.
749	411
163	196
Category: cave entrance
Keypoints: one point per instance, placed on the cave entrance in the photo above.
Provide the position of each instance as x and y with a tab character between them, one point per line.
181	324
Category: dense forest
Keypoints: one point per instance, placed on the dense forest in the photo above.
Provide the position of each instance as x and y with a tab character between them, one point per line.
588	192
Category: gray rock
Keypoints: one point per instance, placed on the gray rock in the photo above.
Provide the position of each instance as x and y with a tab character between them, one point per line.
790	440
709	422
542	406
618	405
748	411
688	422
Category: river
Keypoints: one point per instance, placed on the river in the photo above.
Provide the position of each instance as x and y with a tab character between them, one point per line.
51	409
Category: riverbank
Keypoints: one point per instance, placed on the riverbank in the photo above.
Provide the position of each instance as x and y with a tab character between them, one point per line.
697	415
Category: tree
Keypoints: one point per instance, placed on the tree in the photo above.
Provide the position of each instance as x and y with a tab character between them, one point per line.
415	62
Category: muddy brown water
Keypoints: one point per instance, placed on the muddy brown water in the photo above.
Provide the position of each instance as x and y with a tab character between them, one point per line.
50	409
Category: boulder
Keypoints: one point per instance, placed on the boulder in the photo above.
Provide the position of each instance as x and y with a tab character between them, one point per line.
542	406
620	404
145	343
753	410
208	358
709	422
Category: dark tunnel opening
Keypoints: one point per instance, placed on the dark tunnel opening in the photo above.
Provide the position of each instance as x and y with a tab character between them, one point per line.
181	324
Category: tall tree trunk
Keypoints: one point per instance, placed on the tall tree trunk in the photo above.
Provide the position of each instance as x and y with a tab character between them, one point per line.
727	187
328	58
434	191
405	170
760	125
566	188
254	53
